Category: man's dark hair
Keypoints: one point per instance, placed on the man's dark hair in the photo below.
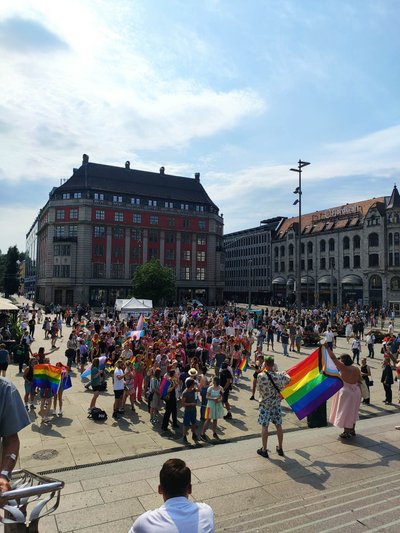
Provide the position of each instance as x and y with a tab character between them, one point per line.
346	359
189	383
175	478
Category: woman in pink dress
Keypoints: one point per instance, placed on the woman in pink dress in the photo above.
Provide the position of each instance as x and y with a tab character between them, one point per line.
346	402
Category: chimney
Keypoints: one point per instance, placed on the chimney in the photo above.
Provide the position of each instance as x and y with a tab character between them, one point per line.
74	170
162	170
127	165
197	176
85	159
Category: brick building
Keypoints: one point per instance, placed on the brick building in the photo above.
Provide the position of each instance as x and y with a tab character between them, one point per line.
105	221
349	254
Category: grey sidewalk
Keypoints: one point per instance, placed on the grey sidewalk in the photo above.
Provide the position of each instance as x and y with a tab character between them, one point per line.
322	484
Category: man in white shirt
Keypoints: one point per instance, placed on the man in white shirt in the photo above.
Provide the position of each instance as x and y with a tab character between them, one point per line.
329	336
178	514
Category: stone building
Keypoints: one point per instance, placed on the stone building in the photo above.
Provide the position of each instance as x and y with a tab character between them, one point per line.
349	254
105	221
248	264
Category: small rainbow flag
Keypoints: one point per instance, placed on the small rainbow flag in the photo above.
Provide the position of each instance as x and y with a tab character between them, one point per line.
47	377
207	413
243	365
164	386
313	381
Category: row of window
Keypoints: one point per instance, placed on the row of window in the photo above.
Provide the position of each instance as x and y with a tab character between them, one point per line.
373	261
117	271
118	232
373	241
117	199
154	219
66	231
62	249
73	214
136	253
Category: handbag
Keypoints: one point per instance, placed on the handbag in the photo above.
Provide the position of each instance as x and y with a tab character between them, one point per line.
371	383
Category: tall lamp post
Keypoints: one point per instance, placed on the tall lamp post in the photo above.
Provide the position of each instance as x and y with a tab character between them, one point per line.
301	164
250	264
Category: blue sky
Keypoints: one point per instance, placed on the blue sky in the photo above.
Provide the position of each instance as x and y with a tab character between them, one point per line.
236	90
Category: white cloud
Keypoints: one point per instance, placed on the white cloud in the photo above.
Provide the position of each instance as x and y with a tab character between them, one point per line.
14	224
103	95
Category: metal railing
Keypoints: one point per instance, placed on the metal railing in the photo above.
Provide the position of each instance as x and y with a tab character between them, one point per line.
31	497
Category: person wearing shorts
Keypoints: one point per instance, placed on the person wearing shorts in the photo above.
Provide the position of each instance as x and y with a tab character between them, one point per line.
96	381
119	386
270	383
189	405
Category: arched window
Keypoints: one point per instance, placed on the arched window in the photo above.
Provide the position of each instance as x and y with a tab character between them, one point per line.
282	251
395	284
390	239
375	282
396	238
322	246
346	243
309	247
331	245
356	242
373	239
291	249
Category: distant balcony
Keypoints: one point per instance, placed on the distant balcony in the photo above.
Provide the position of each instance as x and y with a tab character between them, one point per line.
65	239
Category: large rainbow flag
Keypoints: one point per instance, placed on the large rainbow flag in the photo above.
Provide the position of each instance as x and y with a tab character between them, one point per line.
47	377
313	381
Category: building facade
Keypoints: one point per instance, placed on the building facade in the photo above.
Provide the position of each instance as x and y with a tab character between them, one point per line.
247	262
349	254
105	221
29	286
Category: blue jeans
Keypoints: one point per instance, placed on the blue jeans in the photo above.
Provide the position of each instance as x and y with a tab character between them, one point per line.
285	350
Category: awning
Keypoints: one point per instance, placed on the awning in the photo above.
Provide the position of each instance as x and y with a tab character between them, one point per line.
326	279
307	280
290	281
352	279
279	281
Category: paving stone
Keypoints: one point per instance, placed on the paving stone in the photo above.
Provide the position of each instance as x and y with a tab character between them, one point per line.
79	500
231	485
125	491
98	514
219	471
120	526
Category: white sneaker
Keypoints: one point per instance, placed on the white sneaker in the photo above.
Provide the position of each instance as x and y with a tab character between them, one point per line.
60	413
396	427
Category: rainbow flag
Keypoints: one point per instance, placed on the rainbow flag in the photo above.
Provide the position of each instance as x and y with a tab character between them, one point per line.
140	322
243	365
47	377
313	381
207	413
164	386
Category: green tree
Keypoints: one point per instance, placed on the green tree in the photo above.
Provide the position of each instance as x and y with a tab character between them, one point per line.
11	271
154	282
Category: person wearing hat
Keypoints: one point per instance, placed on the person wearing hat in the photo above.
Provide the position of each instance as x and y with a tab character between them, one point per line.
192	374
270	383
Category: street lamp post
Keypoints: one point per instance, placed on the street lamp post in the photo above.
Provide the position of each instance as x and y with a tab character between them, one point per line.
300	166
250	263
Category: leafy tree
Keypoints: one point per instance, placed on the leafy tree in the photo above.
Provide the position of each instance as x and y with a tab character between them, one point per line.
154	282
11	271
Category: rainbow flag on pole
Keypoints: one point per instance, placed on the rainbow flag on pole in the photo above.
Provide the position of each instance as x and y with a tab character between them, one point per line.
313	381
135	335
47	377
243	365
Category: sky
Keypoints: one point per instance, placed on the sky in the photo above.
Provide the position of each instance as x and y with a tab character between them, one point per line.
238	90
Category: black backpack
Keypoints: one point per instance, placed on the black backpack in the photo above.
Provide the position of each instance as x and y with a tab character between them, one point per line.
98	414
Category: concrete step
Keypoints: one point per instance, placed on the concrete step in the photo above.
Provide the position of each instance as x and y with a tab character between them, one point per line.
314	512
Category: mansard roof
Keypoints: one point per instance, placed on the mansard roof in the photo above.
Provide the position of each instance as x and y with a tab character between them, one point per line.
120	180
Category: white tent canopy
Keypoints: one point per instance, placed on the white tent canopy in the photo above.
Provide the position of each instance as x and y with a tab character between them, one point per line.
135	307
119	302
6	305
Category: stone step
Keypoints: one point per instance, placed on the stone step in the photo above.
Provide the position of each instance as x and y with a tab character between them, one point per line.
307	508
